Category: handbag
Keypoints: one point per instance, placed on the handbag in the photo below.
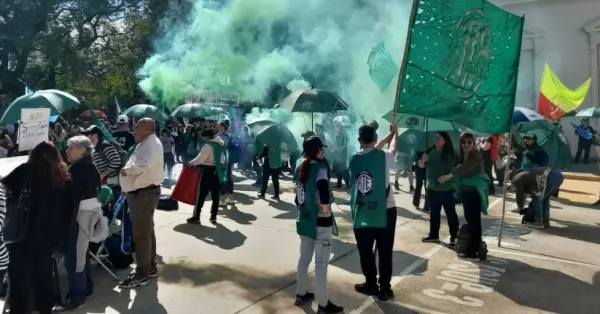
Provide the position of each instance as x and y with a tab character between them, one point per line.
17	214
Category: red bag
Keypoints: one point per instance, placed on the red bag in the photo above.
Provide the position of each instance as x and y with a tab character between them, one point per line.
186	188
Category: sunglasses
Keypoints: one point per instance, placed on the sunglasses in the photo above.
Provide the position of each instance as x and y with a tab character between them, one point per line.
466	142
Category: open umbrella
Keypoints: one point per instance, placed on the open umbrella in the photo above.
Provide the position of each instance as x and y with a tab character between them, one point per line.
273	134
418	132
55	100
99	114
143	111
550	138
193	111
313	100
522	114
593	112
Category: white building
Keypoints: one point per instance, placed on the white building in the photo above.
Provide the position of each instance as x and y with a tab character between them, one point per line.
566	35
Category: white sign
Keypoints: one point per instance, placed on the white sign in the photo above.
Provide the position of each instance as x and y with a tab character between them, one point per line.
34	127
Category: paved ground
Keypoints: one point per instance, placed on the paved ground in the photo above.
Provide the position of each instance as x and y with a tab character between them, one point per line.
246	264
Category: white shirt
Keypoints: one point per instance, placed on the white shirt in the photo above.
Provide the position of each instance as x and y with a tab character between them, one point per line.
389	161
145	166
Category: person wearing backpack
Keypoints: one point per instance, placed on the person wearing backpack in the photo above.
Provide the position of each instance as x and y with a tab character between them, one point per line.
234	155
109	159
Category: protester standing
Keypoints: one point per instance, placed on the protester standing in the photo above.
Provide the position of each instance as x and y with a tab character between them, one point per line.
212	163
50	209
168	144
315	225
489	154
86	183
584	143
440	161
227	187
374	209
122	135
271	169
140	179
106	158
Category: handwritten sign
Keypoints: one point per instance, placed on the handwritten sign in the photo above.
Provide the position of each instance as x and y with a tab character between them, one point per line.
34	127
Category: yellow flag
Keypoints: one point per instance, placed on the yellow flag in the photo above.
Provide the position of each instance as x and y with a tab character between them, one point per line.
556	99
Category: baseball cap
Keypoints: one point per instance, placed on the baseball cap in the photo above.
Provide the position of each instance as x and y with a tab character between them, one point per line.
312	143
122	119
530	135
92	130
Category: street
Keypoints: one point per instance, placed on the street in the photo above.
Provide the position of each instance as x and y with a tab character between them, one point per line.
247	263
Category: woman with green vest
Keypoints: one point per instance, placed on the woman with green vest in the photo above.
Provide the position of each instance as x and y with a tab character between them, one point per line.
471	183
374	210
440	161
315	224
212	162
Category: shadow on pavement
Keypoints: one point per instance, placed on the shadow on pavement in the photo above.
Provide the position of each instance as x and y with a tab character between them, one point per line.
526	289
575	231
217	235
243	198
233	213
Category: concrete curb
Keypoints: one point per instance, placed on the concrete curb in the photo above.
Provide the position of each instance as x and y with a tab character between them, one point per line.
581	176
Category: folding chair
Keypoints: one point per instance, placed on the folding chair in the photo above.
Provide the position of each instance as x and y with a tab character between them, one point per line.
101	255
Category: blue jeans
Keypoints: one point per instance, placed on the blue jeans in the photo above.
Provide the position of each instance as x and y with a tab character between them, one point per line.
80	284
541	207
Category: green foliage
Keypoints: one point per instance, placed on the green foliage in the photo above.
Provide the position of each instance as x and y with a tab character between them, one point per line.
90	48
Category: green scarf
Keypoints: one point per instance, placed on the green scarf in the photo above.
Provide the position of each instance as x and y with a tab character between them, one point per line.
480	183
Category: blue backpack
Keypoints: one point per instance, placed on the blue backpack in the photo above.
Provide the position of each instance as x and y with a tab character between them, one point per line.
235	150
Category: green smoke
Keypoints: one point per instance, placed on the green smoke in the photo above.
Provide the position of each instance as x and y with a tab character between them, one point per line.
246	47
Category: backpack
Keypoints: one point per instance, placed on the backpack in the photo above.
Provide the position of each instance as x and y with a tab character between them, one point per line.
234	149
167	203
462	242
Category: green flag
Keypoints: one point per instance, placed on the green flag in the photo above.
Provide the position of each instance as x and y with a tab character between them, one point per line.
382	67
462	64
100	125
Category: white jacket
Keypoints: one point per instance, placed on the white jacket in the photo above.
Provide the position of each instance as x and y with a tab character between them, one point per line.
93	227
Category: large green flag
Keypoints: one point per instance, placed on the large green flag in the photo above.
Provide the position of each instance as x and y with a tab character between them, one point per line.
462	64
107	135
382	67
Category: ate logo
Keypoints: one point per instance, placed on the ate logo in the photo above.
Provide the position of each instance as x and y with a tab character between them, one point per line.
223	158
412	122
411	138
300	194
307	105
364	183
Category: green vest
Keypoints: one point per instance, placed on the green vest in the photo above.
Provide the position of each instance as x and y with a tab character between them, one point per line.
274	159
308	209
368	191
221	159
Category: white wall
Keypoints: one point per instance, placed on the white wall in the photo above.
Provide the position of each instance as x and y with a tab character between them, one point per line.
555	34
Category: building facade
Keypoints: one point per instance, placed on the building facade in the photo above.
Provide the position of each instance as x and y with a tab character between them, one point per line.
566	35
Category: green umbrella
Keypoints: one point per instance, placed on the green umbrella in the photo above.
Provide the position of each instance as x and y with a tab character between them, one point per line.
593	112
273	134
143	111
550	138
313	100
192	111
419	132
55	100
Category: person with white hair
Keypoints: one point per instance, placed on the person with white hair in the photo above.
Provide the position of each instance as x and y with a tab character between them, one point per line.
87	225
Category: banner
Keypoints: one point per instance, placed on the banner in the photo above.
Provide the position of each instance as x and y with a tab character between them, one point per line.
382	68
556	99
34	127
462	64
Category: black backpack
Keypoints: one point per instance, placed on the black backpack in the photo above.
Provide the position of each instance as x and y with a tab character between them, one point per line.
462	242
167	203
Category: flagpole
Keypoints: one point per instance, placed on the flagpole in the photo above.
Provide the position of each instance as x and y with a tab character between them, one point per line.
505	188
411	22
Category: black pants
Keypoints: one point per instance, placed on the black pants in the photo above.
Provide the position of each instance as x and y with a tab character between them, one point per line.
488	166
383	238
341	173
30	271
274	175
437	200
419	183
499	175
583	147
209	184
472	207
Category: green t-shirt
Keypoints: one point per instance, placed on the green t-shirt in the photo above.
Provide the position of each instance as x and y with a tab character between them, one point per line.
437	167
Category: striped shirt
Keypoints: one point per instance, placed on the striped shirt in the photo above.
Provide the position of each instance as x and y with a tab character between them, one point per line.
107	161
3	250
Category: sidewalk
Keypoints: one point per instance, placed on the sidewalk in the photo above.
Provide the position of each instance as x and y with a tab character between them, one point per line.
585	192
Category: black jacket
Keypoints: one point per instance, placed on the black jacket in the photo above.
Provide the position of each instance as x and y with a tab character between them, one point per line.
86	179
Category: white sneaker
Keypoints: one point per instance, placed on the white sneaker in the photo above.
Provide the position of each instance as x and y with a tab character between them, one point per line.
230	201
223	202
